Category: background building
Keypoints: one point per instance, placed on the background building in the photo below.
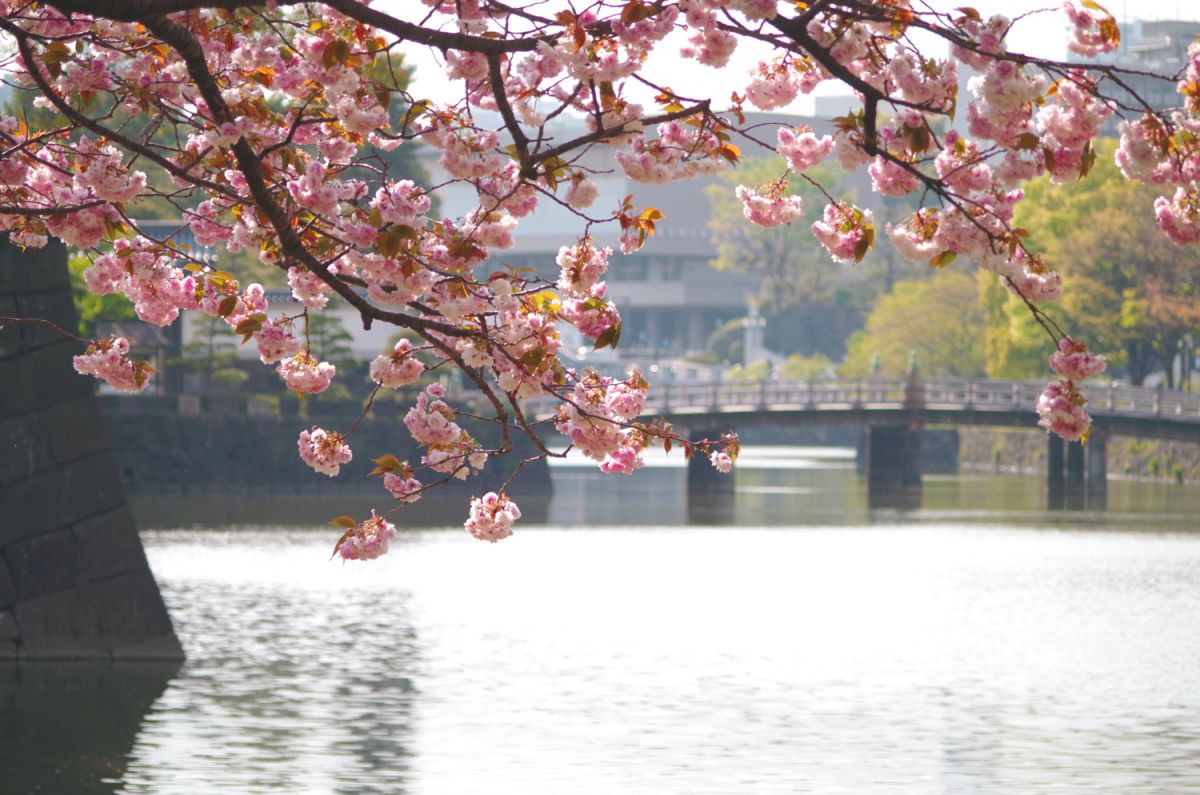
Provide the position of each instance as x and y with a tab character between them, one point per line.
1155	47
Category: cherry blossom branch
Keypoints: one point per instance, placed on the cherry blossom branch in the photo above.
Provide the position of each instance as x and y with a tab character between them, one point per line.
84	121
37	321
185	43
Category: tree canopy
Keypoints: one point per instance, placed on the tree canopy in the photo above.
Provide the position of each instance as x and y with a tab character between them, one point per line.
937	320
260	124
1132	293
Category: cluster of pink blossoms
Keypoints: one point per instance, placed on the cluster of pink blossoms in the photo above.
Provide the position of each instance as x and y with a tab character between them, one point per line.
770	204
1061	406
398	368
368	540
679	152
801	148
592	313
449	448
585	304
845	231
403	489
325	451
491	517
109	361
303	373
582	265
595	419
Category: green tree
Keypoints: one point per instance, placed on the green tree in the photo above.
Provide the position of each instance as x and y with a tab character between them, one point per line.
212	353
811	303
936	318
797	367
793	265
1130	293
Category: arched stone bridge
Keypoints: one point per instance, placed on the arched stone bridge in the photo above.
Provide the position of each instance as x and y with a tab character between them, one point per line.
882	401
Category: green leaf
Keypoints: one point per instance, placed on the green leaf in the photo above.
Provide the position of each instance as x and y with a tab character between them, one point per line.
390	242
249	326
610	338
388	460
943	259
1087	160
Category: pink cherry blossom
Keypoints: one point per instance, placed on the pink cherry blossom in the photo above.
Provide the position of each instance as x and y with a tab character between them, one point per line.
324	451
1091	30
770	205
491	517
1179	216
581	194
404	489
845	231
772	85
398	368
1073	361
582	265
721	461
303	373
1061	412
368	540
275	343
592	313
802	148
109	361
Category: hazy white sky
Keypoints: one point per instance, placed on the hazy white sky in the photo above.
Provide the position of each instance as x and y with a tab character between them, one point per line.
1042	34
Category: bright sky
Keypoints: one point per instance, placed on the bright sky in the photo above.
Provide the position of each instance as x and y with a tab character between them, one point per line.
1043	34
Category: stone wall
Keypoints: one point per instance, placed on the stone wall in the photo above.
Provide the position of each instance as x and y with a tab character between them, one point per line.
74	581
229	451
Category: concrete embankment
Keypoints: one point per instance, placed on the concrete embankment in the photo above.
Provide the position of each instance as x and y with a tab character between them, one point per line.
1025	451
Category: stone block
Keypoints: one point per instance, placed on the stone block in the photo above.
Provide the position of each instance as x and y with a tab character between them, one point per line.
59	497
56	307
23	450
108	545
16	398
11	340
53	375
73	429
45	563
41	378
164	647
33	270
61	625
8	589
130	609
8	627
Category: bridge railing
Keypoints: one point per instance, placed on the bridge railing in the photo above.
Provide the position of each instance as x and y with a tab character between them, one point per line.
879	392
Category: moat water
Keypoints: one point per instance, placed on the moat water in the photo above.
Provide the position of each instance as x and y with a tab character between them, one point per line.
792	642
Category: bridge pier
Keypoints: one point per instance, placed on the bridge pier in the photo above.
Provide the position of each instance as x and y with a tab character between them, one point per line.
1076	474
702	477
709	492
891	461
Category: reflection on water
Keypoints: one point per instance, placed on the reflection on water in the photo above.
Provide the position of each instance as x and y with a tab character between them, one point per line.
69	727
976	645
295	682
